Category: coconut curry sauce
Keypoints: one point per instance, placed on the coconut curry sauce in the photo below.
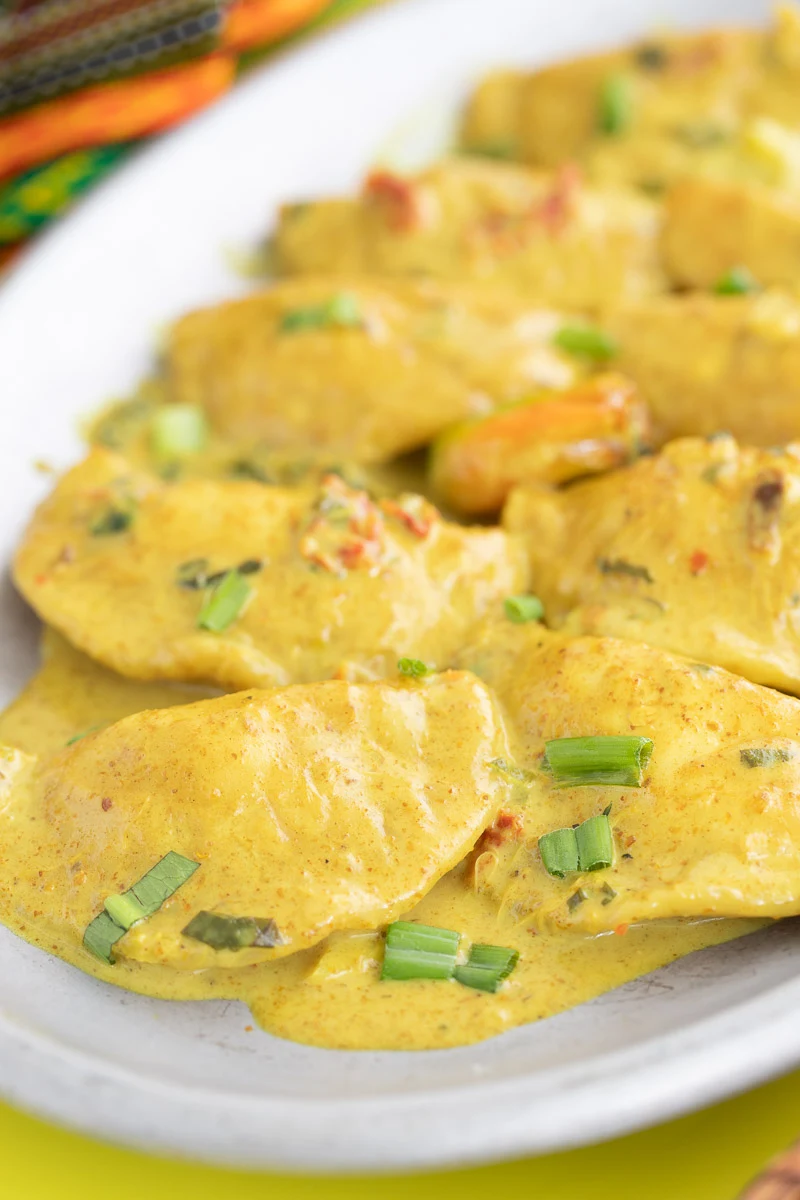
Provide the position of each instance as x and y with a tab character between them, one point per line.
330	995
426	817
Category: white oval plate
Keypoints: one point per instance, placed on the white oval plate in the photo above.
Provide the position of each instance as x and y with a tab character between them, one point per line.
77	324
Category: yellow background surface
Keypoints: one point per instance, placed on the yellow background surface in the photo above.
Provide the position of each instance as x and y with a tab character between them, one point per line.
707	1156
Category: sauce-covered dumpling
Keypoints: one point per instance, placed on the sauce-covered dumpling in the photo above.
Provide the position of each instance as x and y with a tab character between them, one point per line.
541	234
713	827
308	809
696	549
738	368
240	584
359	369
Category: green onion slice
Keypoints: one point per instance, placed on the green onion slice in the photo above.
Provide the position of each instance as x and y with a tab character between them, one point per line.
178	431
585	341
342	311
419	952
765	756
582	761
521	609
222	932
113	520
736	282
225	603
78	737
559	851
413	668
595	843
615	111
519	774
139	902
487	967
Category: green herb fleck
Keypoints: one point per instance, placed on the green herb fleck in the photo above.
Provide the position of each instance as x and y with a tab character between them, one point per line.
765	756
615	110
521	609
342	311
620	566
739	281
113	520
585	341
413	668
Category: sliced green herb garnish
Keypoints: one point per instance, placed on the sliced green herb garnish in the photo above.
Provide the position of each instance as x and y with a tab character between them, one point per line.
225	603
595	844
651	56
521	609
178	431
736	282
101	935
342	311
126	910
113	520
577	899
419	952
615	109
193	574
585	341
222	932
139	902
413	668
559	851
245	468
584	761
620	566
608	892
487	967
765	756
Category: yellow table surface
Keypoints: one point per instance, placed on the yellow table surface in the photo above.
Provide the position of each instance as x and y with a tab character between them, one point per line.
710	1155
707	1156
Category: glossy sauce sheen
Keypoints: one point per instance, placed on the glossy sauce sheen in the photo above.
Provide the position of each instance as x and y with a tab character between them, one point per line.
330	995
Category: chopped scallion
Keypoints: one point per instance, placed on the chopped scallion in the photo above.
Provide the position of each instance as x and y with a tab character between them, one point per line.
178	431
113	520
559	851
419	952
225	603
615	111
342	311
765	756
582	761
487	967
140	901
521	609
520	774
595	844
413	668
222	932
585	341
736	282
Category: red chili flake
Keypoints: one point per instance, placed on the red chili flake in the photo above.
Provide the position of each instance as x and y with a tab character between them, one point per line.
621	930
351	554
105	804
397	196
555	210
418	524
506	825
698	562
40	579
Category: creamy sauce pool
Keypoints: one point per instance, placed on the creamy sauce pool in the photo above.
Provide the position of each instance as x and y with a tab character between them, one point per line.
332	995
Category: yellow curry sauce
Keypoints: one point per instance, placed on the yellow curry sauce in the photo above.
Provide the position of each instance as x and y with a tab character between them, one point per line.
330	995
274	511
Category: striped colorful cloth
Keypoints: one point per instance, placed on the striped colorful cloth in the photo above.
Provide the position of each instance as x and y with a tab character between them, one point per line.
81	81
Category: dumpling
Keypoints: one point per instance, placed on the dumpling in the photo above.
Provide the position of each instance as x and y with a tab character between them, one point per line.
643	115
359	370
238	584
538	234
714	830
307	809
737	366
696	549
